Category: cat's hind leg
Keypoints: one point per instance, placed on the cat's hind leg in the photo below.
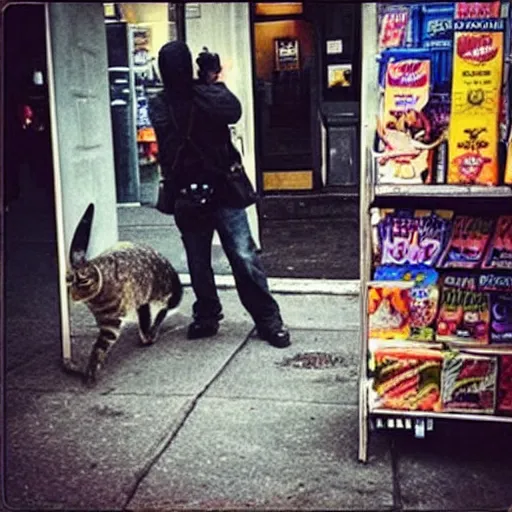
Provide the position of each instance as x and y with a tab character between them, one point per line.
160	317
109	334
144	314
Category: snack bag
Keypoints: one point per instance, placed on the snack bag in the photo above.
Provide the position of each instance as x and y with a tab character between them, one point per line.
468	242
404	130
406	379
410	237
501	318
468	383
504	404
423	296
499	252
475	99
393	26
464	315
388	310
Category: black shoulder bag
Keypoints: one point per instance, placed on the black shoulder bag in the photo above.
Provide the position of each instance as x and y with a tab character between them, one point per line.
239	190
167	193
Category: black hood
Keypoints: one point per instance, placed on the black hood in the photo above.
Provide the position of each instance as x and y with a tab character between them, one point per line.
175	64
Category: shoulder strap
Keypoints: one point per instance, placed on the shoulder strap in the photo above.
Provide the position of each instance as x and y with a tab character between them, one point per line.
187	136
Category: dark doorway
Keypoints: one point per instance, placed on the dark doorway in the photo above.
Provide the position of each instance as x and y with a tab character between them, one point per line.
283	46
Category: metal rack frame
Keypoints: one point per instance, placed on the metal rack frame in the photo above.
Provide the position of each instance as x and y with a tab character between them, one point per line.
419	420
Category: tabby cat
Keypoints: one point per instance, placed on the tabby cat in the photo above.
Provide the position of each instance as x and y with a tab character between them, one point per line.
125	279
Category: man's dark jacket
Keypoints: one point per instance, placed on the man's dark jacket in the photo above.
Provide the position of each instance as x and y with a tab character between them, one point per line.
213	107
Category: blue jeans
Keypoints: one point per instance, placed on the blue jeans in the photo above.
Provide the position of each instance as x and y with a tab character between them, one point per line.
251	282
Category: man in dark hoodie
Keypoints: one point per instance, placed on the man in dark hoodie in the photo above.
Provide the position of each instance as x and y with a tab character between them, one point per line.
202	110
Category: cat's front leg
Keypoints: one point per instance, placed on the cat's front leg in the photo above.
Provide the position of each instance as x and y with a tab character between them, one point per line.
106	339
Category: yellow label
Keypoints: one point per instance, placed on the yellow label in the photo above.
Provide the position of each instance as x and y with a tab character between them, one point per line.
508	168
288	180
475	98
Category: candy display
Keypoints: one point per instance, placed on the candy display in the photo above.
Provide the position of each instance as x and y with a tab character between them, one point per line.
468	242
504	404
499	253
475	98
468	383
409	237
439	303
406	379
463	312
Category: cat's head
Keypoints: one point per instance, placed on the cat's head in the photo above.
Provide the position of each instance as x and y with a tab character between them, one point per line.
84	282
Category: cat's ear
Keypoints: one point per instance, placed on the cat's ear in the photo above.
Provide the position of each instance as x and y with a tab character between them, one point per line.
80	242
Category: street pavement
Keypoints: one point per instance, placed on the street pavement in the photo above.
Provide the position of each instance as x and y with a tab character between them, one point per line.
227	422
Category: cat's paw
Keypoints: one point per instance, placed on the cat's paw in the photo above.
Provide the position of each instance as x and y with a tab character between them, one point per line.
90	374
146	339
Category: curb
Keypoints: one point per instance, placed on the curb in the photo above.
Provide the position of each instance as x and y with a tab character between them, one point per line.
348	287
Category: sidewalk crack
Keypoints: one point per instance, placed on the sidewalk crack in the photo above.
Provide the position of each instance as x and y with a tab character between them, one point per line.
166	440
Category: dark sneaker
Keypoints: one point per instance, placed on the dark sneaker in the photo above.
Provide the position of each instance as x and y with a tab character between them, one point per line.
279	338
198	330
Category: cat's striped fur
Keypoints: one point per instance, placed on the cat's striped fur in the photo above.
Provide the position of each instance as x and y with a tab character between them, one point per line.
125	279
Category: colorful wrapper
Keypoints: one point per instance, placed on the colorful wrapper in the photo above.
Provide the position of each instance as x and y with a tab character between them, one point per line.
468	242
476	102
404	129
499	252
406	379
464	315
501	318
468	383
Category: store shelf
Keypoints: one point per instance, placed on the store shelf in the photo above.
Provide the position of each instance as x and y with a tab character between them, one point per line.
441	415
442	191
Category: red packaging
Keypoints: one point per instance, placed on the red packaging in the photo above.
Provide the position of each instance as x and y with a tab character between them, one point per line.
499	252
505	385
468	242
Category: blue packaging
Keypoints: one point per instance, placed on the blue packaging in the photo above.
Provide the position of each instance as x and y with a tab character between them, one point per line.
437	25
437	35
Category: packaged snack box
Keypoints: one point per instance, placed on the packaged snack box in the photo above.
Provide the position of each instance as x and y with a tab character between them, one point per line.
468	383
389	310
393	26
406	379
475	100
464	315
499	252
402	237
501	318
423	296
468	242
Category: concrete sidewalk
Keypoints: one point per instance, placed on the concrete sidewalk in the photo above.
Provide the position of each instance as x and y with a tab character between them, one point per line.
232	423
